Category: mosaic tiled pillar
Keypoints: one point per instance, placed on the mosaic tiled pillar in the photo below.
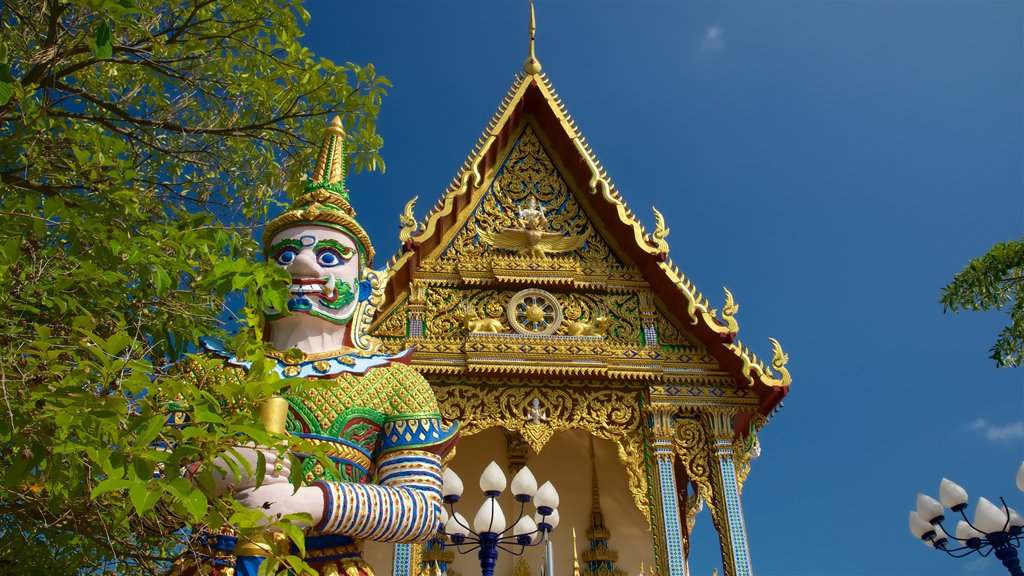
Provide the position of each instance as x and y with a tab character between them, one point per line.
727	494
403	558
664	455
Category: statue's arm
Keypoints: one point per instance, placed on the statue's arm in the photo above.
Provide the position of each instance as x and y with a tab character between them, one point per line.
404	507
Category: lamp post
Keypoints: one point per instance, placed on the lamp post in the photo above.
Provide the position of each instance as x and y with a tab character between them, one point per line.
490	532
994	528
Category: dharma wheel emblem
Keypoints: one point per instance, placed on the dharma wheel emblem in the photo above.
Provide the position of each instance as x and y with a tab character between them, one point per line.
533	311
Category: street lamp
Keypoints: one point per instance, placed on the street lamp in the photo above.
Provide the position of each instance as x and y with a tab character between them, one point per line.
994	528
490	531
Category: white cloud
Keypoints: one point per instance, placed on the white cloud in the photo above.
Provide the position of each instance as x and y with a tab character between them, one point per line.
714	39
977	565
1011	431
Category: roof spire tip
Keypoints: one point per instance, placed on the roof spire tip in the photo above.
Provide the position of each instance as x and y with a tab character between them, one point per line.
532	65
336	127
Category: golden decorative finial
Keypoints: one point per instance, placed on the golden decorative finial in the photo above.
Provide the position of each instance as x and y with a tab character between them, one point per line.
575	558
329	173
532	65
335	127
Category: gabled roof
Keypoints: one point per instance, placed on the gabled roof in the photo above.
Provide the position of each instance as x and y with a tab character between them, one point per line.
532	97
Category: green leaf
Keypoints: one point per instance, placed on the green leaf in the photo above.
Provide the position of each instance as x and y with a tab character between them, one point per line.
196	504
261	467
103	45
109	485
294	533
179	488
143	499
203	414
150	430
6	83
117	342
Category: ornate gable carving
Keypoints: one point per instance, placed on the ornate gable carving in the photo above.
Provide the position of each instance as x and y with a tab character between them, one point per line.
528	181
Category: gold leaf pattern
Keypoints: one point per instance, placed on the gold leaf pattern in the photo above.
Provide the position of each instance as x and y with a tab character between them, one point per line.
614	415
529	172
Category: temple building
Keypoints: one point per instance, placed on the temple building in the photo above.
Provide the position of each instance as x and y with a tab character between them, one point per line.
561	335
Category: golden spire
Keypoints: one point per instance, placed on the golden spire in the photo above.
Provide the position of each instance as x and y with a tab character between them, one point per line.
325	201
329	173
532	65
575	558
597	528
599	558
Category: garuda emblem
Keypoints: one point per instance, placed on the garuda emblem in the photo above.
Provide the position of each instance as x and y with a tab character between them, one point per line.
531	236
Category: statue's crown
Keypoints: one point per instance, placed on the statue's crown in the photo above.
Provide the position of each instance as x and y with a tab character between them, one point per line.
325	200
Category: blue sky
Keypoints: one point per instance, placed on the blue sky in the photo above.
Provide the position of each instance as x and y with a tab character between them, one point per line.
832	163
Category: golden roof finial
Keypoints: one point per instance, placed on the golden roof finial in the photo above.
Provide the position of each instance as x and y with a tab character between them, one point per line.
532	65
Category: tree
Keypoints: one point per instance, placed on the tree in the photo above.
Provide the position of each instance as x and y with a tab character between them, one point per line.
140	145
994	281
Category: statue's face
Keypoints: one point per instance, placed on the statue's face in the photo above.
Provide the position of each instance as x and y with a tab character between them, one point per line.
324	266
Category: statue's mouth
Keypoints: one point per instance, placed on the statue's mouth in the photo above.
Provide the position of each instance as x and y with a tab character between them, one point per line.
326	288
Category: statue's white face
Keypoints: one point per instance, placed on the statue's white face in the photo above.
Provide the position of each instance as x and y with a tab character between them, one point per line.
324	266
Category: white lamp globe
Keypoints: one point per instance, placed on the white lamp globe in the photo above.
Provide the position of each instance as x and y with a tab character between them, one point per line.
546	496
489	518
1016	520
928	508
965	532
451	484
952	495
456	525
523	483
551	519
988	517
940	536
918	527
493	479
1020	477
526	525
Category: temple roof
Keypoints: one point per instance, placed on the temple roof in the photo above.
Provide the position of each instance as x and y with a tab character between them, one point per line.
532	101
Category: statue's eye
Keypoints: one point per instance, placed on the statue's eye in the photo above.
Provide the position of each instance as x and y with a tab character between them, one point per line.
328	257
285	256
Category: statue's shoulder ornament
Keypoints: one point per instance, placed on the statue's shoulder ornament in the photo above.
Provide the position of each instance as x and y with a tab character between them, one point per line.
323	365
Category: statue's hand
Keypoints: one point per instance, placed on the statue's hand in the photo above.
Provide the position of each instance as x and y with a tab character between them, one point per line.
281	499
278	470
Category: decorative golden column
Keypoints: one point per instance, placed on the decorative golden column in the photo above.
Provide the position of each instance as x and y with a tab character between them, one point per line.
663	431
728	513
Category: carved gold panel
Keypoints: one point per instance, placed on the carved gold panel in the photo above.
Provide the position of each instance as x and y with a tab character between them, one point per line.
613	415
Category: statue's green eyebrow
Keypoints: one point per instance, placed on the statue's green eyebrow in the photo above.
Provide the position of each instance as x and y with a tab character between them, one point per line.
286	243
346	252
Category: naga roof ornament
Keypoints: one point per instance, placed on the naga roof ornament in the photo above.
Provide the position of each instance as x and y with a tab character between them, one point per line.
325	200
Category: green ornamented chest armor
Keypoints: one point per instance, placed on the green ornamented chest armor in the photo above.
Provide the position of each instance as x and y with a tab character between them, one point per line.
356	418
